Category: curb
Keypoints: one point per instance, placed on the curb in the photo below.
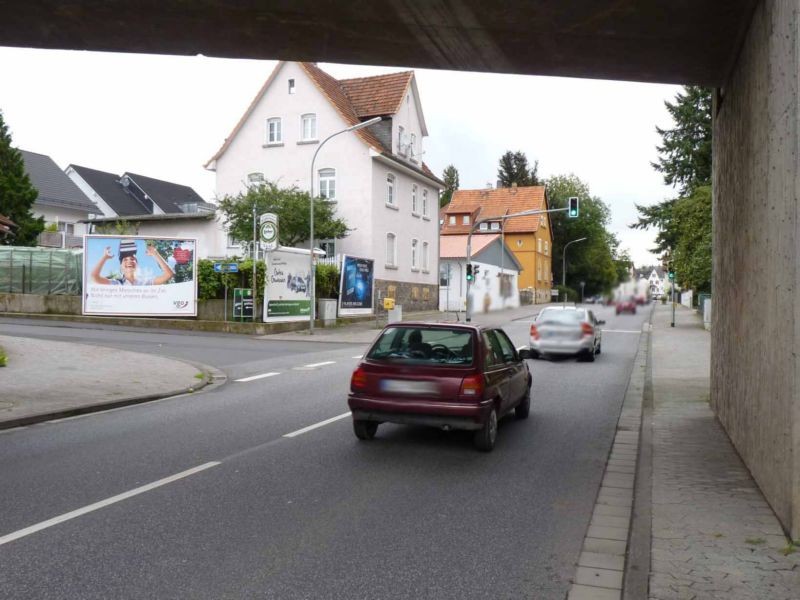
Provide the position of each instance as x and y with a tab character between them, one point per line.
604	564
214	377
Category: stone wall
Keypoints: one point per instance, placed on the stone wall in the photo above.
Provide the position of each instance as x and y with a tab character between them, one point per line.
40	304
755	324
411	296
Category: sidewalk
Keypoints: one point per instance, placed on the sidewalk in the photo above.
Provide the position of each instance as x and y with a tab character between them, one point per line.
713	533
46	379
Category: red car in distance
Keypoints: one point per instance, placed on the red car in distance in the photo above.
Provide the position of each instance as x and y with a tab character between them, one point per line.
626	306
450	376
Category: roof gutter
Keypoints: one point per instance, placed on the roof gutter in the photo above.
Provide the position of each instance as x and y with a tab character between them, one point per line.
399	165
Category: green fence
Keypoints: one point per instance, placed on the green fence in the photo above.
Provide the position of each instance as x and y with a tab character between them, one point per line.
45	271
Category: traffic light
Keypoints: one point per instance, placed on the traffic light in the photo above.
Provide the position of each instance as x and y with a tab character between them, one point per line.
671	274
470	277
573	207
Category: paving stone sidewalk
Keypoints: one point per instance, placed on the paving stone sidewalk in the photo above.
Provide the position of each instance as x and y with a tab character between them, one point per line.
713	533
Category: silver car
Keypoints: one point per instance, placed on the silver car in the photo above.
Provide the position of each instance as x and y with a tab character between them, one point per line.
567	330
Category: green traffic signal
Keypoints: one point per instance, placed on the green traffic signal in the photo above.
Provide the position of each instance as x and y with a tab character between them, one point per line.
573	208
469	272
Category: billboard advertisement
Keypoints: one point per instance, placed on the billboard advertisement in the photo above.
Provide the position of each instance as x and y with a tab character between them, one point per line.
356	286
287	288
139	276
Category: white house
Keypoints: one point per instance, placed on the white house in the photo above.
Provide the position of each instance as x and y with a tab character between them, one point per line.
657	282
152	207
383	189
495	284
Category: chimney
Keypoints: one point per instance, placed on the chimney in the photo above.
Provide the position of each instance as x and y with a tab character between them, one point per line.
499	184
514	185
489	185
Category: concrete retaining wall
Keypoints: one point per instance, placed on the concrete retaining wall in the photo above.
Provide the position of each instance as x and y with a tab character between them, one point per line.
755	324
37	304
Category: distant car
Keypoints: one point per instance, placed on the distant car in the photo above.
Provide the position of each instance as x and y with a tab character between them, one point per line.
441	375
567	330
626	306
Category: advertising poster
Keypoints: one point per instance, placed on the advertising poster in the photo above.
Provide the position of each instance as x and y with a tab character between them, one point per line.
355	290
139	276
287	293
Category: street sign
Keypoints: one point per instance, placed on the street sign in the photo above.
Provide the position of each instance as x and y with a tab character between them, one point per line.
226	267
554	293
268	231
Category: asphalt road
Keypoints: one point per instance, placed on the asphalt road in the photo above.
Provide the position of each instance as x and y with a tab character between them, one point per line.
417	513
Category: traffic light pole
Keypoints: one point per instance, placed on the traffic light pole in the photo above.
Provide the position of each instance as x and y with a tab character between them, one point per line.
477	223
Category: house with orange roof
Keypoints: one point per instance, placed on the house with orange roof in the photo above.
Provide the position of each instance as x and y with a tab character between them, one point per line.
383	190
529	238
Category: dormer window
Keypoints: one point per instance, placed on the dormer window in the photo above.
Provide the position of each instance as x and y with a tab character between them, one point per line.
291	86
452	219
495	226
465	220
484	227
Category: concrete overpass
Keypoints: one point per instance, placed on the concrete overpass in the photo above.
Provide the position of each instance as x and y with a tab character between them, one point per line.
746	49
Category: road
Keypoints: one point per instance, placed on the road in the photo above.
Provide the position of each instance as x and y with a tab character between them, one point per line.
252	504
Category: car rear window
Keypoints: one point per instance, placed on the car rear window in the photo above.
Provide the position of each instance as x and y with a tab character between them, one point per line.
561	317
419	345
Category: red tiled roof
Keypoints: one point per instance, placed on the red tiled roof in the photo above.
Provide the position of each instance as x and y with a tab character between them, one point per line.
496	203
378	95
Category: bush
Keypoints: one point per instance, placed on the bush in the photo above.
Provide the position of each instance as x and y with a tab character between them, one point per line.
211	285
327	281
572	295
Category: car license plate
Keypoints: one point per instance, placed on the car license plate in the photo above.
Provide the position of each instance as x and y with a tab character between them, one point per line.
399	386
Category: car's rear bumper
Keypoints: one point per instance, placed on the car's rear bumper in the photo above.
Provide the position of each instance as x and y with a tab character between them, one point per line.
562	347
452	415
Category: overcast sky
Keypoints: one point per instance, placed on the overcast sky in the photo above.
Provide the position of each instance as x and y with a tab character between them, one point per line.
165	116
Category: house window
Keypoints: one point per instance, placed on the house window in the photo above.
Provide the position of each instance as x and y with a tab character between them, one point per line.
255	178
390	190
413	145
425	256
291	86
274	135
414	207
327	183
391	250
68	228
309	127
444	274
546	247
539	243
414	255
328	246
233	242
484	227
495	226
452	219
425	203
401	149
465	220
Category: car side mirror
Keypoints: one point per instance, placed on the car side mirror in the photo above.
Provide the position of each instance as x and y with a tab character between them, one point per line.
601	322
524	353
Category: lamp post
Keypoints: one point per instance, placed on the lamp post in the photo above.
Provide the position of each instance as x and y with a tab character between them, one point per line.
564	267
311	283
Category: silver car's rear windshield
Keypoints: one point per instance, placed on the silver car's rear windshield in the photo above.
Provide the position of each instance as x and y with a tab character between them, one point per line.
434	346
561	317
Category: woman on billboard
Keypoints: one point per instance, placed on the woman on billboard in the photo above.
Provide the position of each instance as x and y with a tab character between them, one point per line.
129	265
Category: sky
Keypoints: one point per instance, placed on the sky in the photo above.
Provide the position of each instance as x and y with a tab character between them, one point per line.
165	116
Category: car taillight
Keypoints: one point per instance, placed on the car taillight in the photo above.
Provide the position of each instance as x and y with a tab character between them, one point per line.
587	329
534	332
471	387
359	379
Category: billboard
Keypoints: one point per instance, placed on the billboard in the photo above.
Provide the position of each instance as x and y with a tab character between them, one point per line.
139	276
287	289
356	286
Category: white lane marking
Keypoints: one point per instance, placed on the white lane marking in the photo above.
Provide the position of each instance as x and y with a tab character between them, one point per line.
103	503
359	356
254	377
621	330
316	425
319	364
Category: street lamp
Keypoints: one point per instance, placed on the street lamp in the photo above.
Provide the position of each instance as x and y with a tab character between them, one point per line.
311	284
564	267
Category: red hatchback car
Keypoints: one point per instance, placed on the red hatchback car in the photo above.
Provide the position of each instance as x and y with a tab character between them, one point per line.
452	376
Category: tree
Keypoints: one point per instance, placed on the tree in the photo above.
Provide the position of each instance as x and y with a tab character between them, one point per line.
450	177
17	194
292	207
591	261
685	154
514	168
691	258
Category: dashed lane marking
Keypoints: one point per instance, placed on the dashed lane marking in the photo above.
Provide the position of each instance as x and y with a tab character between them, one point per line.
316	426
315	365
254	377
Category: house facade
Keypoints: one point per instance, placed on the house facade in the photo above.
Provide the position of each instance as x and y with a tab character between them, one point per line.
375	175
152	207
60	202
529	238
495	285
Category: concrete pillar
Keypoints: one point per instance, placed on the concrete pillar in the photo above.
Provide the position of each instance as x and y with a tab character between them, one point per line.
756	317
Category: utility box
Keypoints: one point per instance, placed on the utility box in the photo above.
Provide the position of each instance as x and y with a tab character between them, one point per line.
396	314
326	312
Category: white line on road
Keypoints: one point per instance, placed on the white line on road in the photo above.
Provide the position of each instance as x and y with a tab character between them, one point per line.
359	356
316	425
103	503
622	331
319	364
254	377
